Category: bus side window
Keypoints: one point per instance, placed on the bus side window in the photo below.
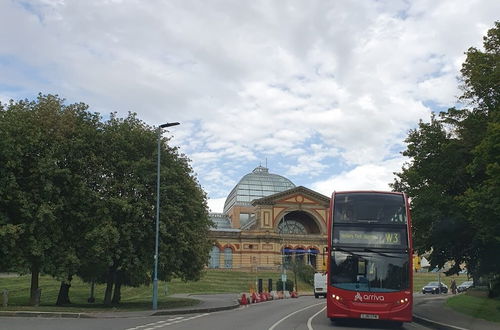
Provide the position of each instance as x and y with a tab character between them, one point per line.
361	267
361	276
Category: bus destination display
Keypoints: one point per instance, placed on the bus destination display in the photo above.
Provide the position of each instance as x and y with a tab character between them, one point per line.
378	238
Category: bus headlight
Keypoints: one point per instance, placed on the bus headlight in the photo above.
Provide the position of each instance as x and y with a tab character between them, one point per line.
401	301
338	298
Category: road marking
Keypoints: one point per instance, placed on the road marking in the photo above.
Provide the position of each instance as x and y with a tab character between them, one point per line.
309	322
164	323
155	323
300	310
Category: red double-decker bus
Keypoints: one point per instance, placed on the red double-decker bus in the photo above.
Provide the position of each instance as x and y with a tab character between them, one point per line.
370	256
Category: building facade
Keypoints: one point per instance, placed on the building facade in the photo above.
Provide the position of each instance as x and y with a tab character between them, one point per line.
269	222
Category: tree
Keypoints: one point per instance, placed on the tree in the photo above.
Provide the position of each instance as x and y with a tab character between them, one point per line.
128	194
78	216
41	184
453	176
77	197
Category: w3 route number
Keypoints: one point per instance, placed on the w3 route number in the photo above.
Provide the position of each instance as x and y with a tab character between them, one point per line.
392	238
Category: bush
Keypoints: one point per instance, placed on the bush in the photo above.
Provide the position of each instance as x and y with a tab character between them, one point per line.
494	290
288	285
306	273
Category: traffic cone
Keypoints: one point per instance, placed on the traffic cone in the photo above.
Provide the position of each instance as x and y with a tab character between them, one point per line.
243	300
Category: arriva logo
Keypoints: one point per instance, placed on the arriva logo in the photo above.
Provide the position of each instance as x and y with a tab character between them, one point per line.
359	297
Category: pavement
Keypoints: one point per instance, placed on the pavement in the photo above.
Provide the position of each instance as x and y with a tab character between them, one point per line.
428	310
208	303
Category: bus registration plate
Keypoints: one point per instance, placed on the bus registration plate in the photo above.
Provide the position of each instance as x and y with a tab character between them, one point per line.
369	316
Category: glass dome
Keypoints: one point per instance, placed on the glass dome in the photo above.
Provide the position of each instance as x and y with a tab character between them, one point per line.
259	183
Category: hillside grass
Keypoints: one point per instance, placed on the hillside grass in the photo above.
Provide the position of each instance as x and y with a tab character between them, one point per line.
139	298
212	281
477	305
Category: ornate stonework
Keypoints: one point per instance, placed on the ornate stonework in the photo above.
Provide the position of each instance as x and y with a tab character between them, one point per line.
292	222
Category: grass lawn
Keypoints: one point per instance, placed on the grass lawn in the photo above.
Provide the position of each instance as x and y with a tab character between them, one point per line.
479	306
132	298
213	281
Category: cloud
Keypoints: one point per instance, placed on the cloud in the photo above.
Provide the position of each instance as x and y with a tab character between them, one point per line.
372	176
216	204
325	89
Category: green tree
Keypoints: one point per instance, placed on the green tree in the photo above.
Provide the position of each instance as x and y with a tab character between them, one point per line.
184	222
77	197
128	195
453	174
41	184
80	150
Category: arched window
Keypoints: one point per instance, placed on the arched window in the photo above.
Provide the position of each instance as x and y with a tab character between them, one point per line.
228	258
291	227
214	257
298	223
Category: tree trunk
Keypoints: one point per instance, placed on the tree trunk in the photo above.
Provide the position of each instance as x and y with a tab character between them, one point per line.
63	297
91	299
117	292
35	272
109	287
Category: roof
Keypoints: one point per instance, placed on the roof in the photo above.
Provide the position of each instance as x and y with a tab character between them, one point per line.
257	184
220	220
271	199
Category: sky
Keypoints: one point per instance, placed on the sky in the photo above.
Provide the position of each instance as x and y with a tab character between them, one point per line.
321	92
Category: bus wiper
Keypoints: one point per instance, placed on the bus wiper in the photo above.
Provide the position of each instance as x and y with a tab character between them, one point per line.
347	251
379	253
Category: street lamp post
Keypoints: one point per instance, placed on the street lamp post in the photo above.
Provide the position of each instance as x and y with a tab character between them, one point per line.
155	279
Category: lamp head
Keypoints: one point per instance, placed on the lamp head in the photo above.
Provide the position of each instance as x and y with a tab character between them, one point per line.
169	124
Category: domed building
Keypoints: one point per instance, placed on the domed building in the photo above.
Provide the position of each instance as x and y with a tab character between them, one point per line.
268	222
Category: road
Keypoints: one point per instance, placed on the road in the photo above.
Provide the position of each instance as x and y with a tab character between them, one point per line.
305	313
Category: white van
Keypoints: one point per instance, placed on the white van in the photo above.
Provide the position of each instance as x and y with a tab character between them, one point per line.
319	285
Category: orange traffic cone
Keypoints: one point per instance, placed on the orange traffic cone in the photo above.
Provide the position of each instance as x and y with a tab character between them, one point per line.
243	300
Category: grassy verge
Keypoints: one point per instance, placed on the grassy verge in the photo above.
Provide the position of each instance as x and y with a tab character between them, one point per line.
213	281
476	305
132	298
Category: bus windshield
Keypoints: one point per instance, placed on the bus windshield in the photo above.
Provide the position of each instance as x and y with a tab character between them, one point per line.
383	208
369	271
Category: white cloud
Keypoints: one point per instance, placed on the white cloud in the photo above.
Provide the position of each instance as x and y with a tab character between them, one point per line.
372	176
216	204
4	99
311	84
